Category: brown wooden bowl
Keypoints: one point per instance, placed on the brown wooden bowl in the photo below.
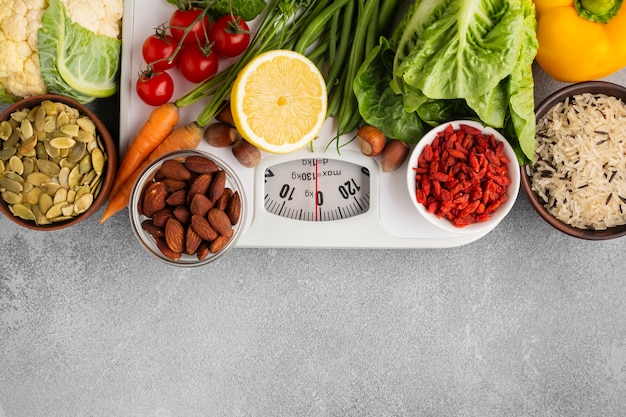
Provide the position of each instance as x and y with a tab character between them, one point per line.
594	87
108	173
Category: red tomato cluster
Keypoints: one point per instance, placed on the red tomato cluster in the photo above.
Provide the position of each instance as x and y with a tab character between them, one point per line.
194	46
462	175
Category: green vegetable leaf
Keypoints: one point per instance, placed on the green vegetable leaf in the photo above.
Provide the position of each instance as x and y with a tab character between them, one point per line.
75	61
5	98
379	105
465	52
246	9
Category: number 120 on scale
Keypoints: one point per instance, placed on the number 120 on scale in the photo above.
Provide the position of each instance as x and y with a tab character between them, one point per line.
317	189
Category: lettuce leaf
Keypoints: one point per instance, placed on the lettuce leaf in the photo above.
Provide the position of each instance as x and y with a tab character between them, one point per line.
75	61
454	59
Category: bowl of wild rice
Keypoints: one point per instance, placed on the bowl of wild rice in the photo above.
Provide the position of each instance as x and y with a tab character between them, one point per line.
577	180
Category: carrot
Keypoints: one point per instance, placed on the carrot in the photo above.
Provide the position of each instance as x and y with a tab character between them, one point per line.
183	137
159	124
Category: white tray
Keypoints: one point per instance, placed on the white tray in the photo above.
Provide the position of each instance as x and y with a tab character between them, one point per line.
390	222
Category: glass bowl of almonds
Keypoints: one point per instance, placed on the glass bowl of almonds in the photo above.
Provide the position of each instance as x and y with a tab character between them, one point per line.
57	162
187	208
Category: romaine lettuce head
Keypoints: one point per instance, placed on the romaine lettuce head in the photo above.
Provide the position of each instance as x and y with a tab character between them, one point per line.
75	61
464	48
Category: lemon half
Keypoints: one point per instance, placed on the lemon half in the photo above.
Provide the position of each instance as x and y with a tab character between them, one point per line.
279	101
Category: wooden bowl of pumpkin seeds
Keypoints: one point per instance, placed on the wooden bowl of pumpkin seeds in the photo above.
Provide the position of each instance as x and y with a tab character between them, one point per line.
57	162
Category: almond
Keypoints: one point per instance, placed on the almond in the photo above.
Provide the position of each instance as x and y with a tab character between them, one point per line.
222	202
192	241
203	250
165	250
182	214
154	198
200	185
173	168
174	185
220	222
177	198
202	227
219	244
218	184
200	165
152	229
175	235
200	205
162	216
233	210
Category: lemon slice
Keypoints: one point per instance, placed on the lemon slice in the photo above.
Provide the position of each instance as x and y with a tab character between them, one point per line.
279	101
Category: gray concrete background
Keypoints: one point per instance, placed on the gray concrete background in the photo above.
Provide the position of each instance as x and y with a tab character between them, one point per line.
523	322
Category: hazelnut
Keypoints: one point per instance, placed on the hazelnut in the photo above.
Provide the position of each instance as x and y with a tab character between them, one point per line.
371	141
394	155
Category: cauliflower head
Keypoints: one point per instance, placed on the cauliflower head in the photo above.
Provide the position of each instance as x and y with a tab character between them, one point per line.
20	21
19	67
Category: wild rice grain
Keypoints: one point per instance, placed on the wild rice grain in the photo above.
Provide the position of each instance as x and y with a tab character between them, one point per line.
583	173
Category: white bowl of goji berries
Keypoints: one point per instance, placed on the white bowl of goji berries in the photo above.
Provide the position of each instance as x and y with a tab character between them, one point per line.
463	177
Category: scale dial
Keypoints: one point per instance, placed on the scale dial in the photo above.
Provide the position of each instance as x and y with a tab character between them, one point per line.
317	189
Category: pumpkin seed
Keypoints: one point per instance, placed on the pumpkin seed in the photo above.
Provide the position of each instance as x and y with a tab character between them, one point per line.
28	145
5	130
64	175
5	154
19	116
74	177
68	210
37	178
23	212
71	196
16	165
97	160
83	203
56	210
62	119
51	125
14	176
77	152
33	195
40	151
85	189
2	168
88	177
50	188
11	197
9	184
52	152
40	119
48	167
62	142
49	107
45	202
84	136
70	129
86	124
26	129
85	164
60	195
29	166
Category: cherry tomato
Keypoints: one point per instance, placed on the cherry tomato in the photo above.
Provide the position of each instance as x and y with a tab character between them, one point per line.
182	19
155	88
230	36
158	51
197	64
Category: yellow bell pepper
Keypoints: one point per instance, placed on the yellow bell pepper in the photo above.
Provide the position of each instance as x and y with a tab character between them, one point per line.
573	48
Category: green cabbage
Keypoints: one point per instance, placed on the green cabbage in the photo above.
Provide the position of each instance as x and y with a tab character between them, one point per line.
453	59
75	61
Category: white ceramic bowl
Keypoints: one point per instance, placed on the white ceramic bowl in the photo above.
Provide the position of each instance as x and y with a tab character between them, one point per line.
442	222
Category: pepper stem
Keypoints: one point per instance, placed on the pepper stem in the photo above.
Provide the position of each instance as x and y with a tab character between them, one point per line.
600	11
